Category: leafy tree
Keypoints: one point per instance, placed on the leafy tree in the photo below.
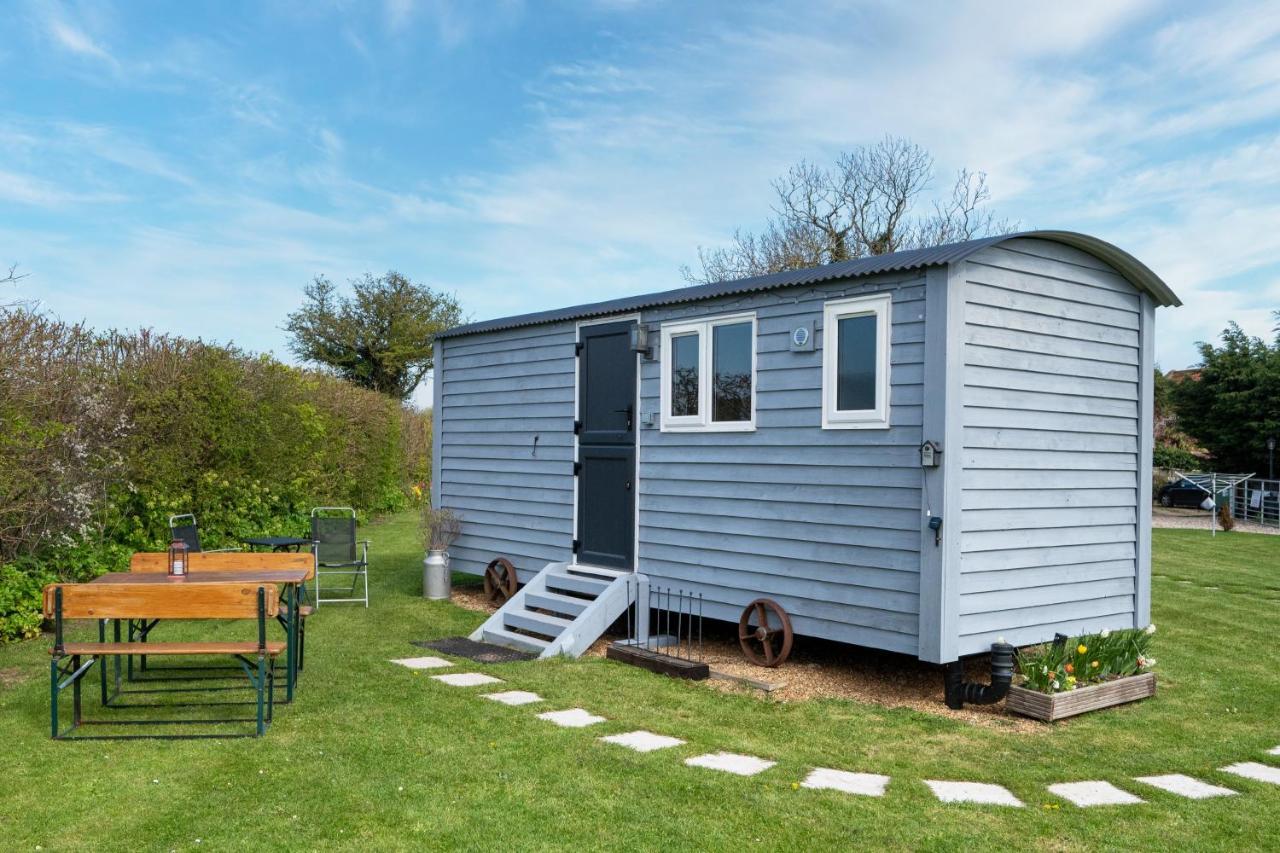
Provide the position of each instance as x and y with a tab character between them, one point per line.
380	337
1234	405
862	206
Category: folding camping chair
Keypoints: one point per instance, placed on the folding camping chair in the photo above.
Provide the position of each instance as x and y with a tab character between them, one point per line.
188	531
333	542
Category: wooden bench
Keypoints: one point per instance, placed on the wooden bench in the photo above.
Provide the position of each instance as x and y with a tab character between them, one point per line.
234	561
149	601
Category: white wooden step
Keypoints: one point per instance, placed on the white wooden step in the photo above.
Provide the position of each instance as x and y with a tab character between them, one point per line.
538	623
512	640
576	583
556	603
595	571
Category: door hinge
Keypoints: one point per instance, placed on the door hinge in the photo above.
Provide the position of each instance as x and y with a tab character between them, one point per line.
577	468
577	545
577	427
578	347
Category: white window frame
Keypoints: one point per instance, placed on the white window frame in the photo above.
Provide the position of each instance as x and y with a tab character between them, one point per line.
880	306
702	422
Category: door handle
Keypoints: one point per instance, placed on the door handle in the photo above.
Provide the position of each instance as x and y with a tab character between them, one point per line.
630	413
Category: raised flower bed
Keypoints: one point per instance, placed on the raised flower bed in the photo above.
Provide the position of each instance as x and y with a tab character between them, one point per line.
1086	673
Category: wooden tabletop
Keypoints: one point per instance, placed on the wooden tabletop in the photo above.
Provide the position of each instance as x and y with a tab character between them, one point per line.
247	576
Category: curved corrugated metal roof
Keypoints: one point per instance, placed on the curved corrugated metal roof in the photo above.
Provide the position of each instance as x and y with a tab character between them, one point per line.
1136	272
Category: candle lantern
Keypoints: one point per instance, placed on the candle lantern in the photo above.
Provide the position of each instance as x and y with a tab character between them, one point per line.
178	559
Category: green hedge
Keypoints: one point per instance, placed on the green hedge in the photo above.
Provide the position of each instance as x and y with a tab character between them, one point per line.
104	436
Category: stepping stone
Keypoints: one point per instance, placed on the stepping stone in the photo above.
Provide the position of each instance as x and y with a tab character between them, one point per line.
467	679
574	718
1086	794
866	784
514	697
972	792
643	741
1185	786
728	762
423	663
1275	751
1255	771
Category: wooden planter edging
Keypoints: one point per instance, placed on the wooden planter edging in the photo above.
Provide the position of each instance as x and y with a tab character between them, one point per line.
1056	706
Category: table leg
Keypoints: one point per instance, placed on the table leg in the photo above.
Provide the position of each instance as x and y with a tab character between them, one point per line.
292	652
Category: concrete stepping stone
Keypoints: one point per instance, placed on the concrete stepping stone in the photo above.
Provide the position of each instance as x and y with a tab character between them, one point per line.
864	784
1274	751
643	741
972	792
514	697
574	718
1185	786
1087	794
729	762
467	679
423	663
1255	771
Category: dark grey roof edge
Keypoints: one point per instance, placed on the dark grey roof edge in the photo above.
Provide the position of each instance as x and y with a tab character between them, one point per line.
1137	273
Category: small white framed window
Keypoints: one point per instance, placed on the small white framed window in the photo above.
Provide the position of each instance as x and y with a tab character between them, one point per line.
855	363
709	374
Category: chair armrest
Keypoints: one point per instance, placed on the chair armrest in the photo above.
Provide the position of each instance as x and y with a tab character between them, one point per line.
222	550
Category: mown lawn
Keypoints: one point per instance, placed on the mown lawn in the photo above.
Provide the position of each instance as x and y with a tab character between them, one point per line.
376	756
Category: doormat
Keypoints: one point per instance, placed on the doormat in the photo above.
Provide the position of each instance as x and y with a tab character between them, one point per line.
470	649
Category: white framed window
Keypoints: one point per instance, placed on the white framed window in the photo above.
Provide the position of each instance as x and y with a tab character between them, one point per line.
709	374
855	363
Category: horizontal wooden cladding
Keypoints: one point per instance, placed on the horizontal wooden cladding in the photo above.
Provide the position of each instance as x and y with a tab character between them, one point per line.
972	583
1058	308
539	335
803	625
516	397
1071	592
766	475
1018	518
495	408
854	606
466	421
1008	318
787	513
516	370
1039	556
802	439
1054	261
978	355
773	456
504	466
1033	401
843	574
1028	343
1049	496
1047	383
1052	287
1013	539
472	552
463	479
687	518
781	549
552	379
542	453
1048	460
558	350
998	438
1044	631
474	508
535	530
1032	478
525	441
979	416
519	491
1005	620
808	379
793	493
179	600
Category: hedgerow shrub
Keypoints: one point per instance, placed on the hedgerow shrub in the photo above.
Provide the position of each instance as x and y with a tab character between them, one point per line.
104	436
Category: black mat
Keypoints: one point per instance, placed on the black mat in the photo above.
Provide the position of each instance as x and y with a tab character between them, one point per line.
470	649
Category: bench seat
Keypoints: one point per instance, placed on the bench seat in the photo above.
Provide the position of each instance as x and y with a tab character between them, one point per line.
273	649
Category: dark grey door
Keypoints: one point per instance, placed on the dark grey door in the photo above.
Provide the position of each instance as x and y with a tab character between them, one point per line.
606	445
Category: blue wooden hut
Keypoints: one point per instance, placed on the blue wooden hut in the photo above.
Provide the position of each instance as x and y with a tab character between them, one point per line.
921	452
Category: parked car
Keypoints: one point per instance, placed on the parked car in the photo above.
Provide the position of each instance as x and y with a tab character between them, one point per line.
1181	493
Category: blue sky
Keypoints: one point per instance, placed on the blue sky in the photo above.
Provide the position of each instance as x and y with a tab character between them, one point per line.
191	166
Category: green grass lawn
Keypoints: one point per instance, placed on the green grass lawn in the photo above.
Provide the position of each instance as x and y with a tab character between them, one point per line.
377	756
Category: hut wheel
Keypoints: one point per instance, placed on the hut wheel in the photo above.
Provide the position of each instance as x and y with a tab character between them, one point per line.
500	580
764	632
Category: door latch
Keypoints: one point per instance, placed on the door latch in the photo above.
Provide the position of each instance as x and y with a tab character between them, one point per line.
630	412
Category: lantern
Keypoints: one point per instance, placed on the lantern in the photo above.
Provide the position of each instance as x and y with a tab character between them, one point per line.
177	559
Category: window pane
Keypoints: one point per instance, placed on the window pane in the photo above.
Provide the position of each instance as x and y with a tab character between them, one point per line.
731	365
856	363
684	375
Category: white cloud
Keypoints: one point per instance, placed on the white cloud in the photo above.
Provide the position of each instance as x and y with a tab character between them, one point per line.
77	41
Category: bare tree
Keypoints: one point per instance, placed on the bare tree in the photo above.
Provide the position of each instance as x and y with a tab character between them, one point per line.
862	206
12	277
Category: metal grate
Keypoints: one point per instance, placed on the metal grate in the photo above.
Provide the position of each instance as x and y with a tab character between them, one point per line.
471	650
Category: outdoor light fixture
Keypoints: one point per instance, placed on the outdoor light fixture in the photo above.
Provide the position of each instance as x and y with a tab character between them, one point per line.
178	559
640	341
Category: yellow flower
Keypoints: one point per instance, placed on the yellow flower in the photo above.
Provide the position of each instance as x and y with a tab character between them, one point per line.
1081	649
1094	664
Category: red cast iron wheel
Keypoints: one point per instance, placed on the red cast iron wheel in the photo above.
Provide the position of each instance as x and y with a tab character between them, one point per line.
767	642
500	580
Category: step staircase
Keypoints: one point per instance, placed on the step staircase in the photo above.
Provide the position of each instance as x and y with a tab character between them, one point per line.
563	610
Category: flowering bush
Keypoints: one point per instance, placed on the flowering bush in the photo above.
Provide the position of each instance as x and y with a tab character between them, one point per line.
1090	659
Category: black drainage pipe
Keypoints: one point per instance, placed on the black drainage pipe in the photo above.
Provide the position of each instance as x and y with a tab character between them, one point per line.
959	691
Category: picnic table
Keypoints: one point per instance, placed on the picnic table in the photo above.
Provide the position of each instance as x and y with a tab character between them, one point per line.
276	543
292	579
